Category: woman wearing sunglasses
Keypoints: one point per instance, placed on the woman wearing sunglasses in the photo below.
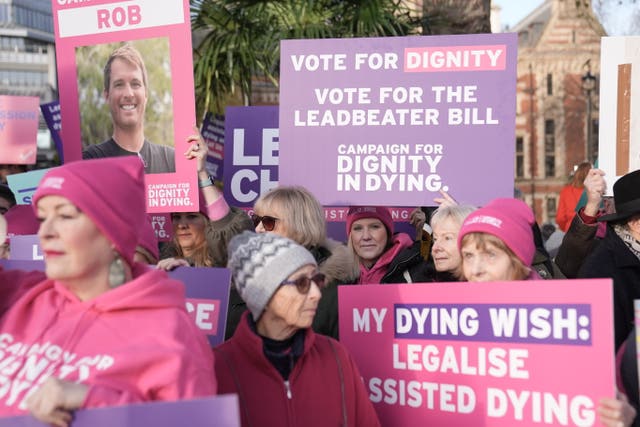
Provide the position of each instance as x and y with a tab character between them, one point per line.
284	373
200	238
293	212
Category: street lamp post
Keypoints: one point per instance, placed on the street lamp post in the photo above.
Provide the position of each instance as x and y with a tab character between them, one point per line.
588	85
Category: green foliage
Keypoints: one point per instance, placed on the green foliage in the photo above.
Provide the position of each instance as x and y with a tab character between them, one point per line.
95	119
240	39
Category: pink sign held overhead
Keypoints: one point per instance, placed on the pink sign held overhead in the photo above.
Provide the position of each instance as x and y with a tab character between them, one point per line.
126	88
483	354
18	129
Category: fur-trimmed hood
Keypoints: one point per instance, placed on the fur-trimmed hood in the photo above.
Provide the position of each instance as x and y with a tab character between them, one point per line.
336	261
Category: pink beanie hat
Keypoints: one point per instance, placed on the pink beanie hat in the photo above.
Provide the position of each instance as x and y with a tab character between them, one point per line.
110	191
379	212
21	221
510	220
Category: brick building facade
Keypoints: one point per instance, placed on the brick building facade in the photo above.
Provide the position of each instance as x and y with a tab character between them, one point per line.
558	57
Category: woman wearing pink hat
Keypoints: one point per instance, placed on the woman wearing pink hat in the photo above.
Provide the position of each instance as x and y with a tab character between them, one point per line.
101	330
496	242
384	257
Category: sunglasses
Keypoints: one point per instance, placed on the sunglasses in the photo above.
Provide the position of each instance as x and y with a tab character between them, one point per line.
268	222
303	284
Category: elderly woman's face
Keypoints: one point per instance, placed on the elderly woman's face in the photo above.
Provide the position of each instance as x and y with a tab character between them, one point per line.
488	264
289	306
445	253
74	249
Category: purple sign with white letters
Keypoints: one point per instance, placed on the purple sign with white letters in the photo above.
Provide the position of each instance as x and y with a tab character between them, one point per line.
367	121
51	114
213	135
250	154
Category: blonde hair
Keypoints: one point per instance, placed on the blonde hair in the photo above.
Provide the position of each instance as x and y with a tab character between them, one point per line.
303	214
482	240
458	213
200	256
129	54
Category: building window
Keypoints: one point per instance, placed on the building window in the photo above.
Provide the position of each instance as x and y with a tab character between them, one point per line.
551	208
549	148
519	157
549	84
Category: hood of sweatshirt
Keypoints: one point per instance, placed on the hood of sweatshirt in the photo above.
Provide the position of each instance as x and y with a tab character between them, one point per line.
149	288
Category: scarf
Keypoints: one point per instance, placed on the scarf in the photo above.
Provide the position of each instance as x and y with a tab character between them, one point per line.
623	232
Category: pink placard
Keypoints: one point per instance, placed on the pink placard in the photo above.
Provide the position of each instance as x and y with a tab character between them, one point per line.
83	29
490	354
18	129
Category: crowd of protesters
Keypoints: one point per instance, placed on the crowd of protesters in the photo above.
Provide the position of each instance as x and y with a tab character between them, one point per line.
282	354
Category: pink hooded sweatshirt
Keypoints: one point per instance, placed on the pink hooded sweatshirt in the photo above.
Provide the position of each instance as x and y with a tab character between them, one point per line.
134	343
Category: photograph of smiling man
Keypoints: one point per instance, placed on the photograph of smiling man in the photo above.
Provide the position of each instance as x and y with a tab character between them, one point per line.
140	112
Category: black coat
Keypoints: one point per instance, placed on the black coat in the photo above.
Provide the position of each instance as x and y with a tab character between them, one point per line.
409	260
578	242
613	259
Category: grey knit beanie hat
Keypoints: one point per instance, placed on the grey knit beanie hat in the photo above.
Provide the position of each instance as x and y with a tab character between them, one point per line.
260	262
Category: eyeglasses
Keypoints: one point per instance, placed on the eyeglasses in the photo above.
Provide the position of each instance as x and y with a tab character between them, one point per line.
268	222
303	284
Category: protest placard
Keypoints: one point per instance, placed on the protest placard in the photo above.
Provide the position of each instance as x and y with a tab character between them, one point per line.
25	184
489	354
213	135
87	33
393	120
26	247
619	122
53	119
207	291
215	411
250	153
18	129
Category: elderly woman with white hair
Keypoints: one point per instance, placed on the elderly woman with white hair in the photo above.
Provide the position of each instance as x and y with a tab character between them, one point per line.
283	372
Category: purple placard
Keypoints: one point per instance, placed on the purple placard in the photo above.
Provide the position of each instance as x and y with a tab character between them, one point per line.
22	264
51	114
218	411
207	291
567	324
25	247
213	134
394	120
250	154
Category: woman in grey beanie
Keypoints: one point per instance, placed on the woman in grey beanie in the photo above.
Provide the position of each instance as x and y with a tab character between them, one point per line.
283	372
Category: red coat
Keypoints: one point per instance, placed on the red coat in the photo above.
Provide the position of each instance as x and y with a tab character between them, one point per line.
311	398
569	198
